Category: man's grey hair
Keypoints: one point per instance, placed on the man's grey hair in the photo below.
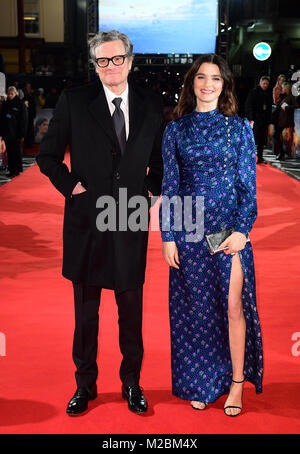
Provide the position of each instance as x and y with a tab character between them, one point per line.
104	37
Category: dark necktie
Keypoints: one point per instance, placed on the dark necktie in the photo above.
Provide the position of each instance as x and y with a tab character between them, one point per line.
119	123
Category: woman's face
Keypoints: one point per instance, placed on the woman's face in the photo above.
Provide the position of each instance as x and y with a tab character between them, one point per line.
283	89
11	95
43	128
208	84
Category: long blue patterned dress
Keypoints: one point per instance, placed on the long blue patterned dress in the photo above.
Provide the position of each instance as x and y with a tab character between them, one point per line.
210	155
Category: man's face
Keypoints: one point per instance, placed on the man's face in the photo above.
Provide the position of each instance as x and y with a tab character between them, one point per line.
112	76
11	95
264	84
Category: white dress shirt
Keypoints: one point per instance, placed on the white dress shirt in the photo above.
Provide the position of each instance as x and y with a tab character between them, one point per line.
110	96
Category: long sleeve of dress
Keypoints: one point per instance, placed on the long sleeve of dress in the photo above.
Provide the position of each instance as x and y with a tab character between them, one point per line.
170	182
245	183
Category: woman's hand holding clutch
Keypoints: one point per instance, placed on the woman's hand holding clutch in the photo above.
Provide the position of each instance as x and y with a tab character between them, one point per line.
170	253
234	243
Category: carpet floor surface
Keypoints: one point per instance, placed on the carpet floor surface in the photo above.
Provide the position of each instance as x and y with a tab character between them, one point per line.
37	323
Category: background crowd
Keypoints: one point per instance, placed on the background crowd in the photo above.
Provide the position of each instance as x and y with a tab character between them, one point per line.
269	106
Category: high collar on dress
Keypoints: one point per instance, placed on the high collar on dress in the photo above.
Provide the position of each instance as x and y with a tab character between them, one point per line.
207	115
209	118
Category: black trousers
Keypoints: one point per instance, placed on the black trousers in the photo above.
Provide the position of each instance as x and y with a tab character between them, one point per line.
260	131
14	155
277	140
85	343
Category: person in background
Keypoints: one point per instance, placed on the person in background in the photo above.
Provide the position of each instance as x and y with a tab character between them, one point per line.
258	110
20	91
284	119
40	99
13	127
277	88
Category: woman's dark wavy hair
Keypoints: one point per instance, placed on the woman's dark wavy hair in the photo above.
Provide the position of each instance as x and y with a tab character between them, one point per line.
227	103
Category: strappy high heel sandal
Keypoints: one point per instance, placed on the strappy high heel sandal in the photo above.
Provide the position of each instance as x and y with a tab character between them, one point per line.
196	408
233	406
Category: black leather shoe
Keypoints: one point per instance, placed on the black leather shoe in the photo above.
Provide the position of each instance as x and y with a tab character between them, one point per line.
137	402
79	402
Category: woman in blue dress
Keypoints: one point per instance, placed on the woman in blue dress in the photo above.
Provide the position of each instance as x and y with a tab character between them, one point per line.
209	152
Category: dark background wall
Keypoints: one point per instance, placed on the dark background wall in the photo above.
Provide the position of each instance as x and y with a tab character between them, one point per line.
243	23
276	22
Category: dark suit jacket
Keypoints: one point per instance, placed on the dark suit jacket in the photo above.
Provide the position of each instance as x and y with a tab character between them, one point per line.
258	106
82	121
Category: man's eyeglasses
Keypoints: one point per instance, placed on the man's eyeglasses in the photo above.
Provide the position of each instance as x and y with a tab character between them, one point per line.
117	60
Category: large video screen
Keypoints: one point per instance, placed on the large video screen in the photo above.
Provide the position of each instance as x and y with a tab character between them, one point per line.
163	26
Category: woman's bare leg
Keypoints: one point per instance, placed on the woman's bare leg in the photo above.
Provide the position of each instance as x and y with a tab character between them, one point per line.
237	335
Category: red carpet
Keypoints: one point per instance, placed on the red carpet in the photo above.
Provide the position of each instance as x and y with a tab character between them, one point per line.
36	317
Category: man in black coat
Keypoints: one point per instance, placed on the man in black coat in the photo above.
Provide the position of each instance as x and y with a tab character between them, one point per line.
13	126
114	131
258	110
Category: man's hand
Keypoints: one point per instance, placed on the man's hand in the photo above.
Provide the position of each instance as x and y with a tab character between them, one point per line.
251	123
170	253
78	189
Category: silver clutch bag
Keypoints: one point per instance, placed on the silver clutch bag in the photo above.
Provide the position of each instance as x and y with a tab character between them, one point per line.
215	239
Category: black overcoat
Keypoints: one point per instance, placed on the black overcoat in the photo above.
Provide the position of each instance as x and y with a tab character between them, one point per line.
82	122
13	119
258	106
